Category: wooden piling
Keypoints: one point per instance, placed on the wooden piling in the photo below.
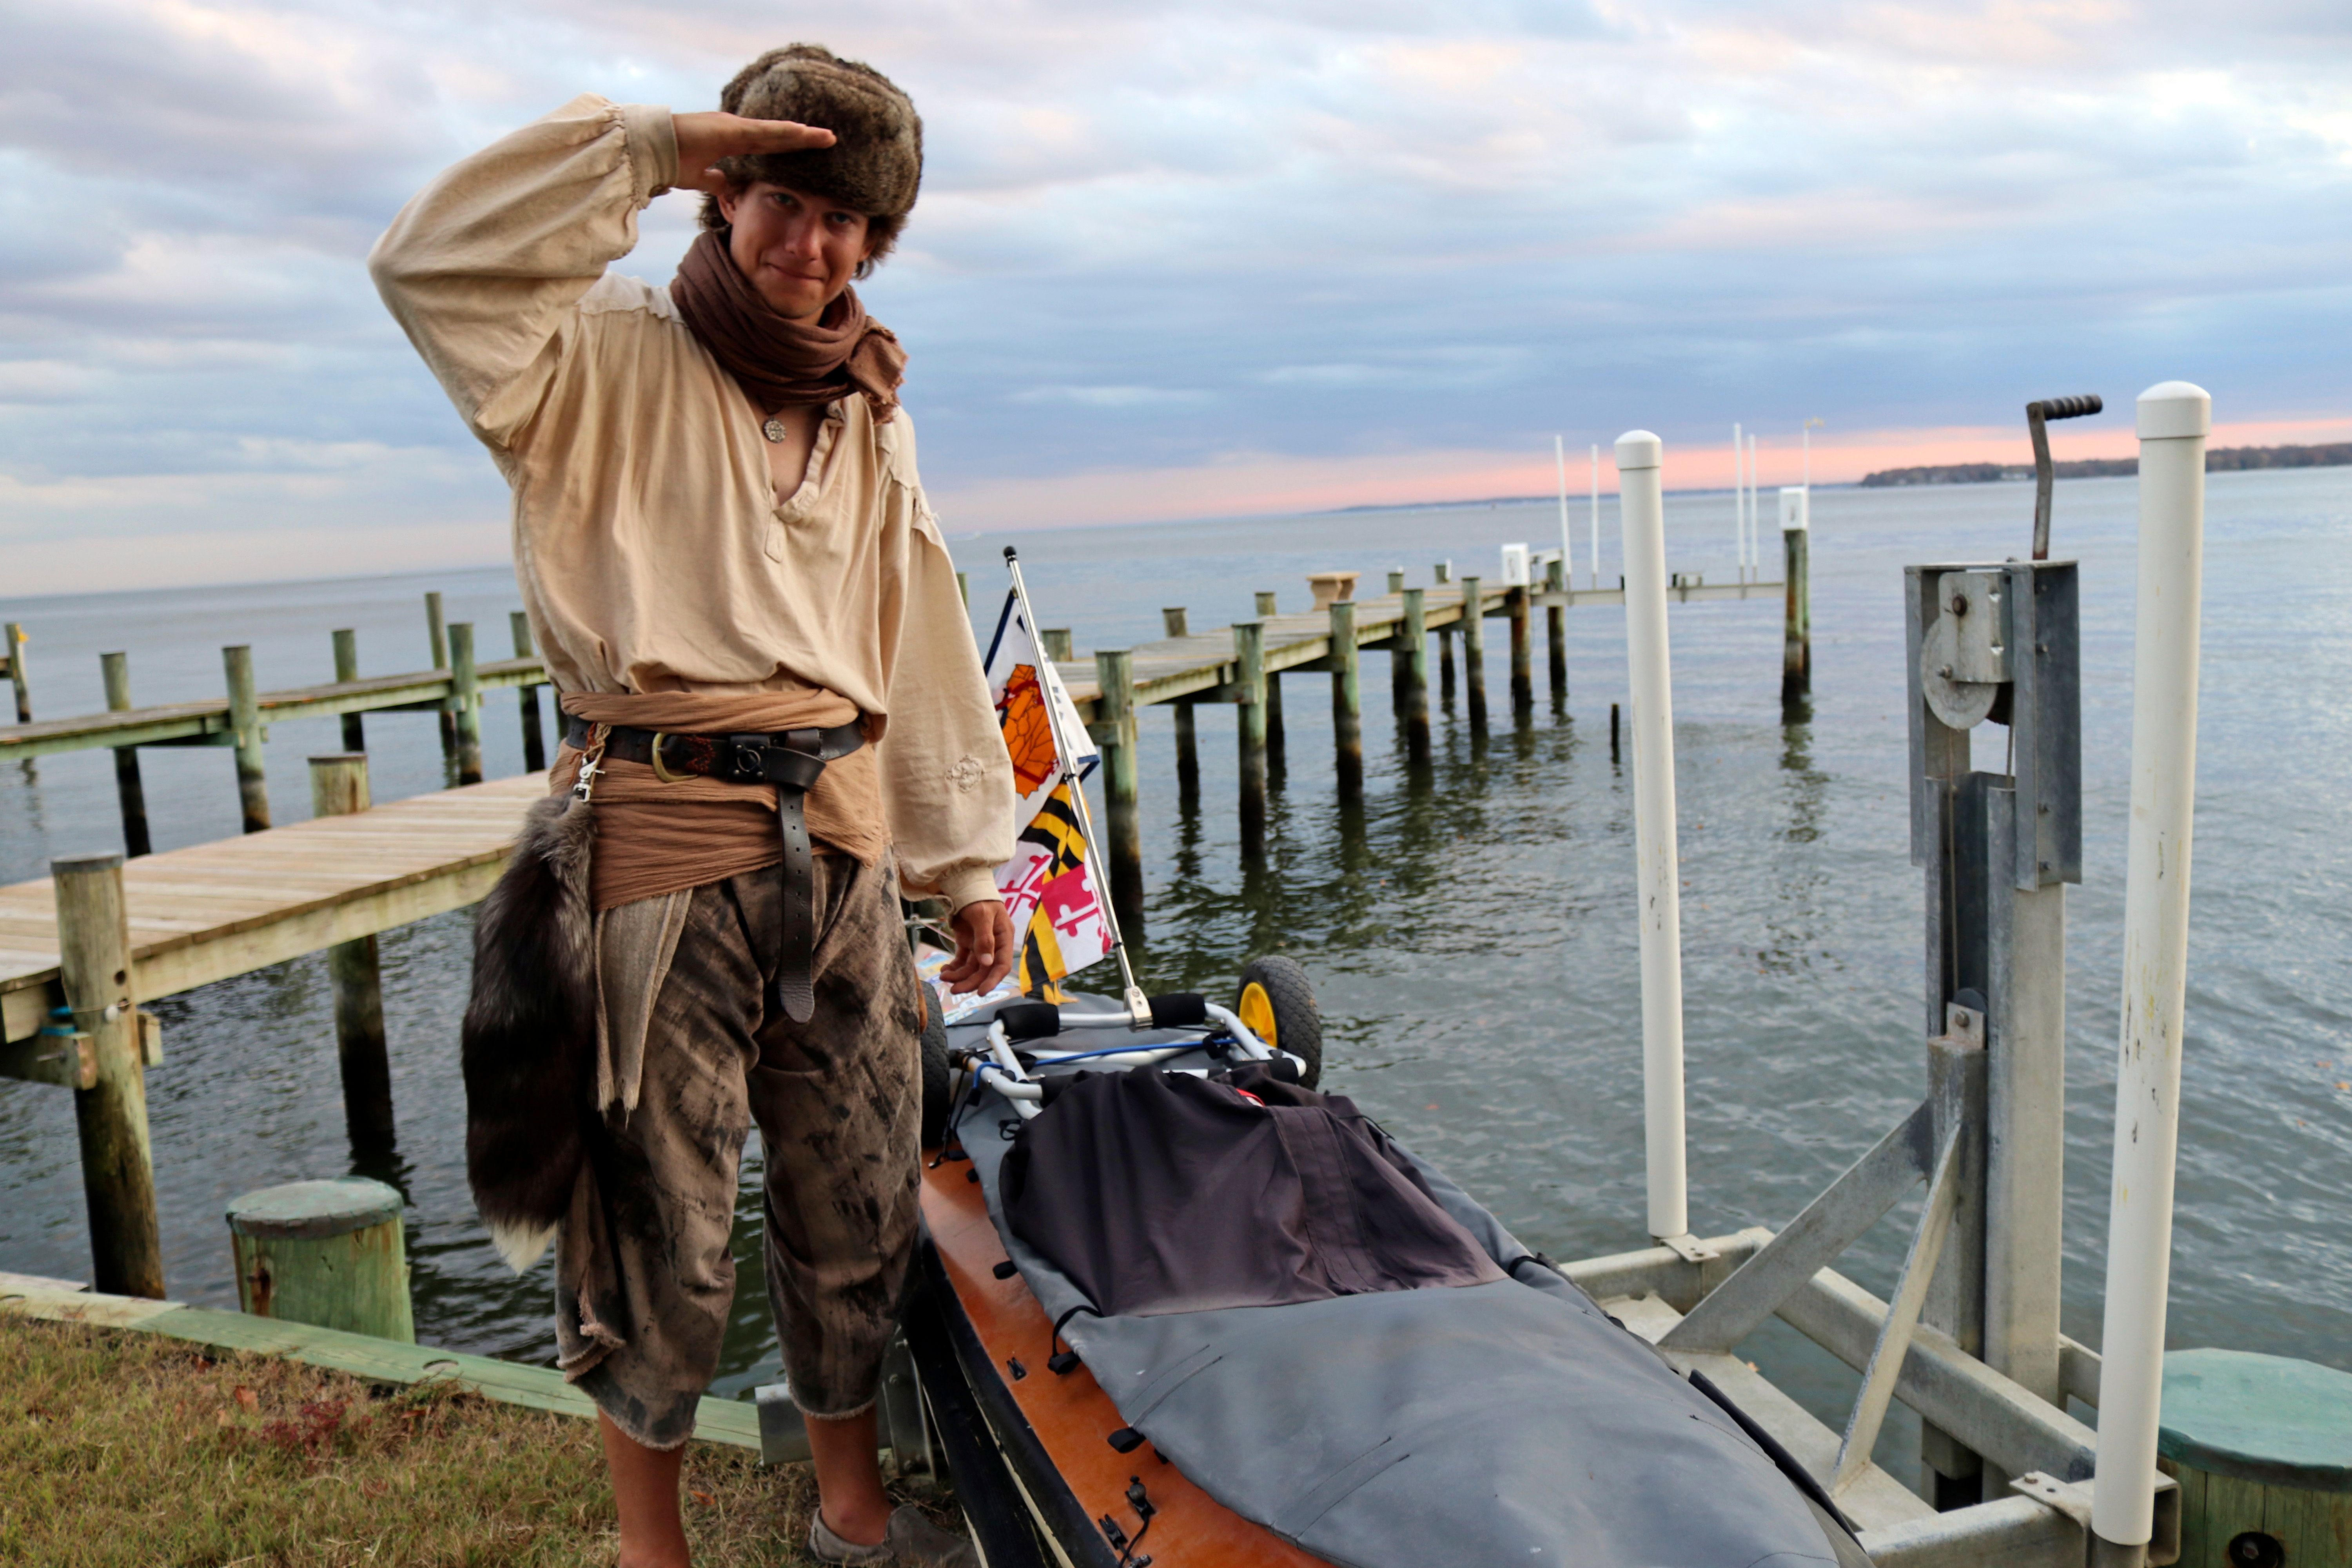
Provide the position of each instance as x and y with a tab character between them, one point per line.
1266	607
1474	648
534	740
1797	617
347	667
1055	643
1413	660
14	636
1396	580
466	702
332	1254
1443	573
1556	629
1115	732
963	589
1523	663
1188	750
338	788
245	722
118	1166
116	668
1249	656
1347	701
1612	731
436	632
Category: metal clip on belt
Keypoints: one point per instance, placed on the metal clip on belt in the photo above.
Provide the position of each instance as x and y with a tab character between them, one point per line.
792	762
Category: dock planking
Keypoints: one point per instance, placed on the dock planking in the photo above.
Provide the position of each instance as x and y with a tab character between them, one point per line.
211	911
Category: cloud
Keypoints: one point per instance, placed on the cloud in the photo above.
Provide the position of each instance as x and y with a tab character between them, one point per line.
1326	234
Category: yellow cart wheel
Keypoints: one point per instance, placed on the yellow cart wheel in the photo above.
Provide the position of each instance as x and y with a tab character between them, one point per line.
1277	1003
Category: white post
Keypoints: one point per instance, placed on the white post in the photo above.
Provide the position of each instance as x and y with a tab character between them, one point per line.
1567	544
1640	509
1596	514
1754	516
2174	421
1738	504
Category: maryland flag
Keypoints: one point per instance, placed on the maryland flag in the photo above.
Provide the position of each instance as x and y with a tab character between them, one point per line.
1049	888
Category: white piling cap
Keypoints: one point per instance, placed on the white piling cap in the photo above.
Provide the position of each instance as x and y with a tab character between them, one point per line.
1639	449
2174	411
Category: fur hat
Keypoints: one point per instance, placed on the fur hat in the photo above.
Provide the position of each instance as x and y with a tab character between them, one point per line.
876	163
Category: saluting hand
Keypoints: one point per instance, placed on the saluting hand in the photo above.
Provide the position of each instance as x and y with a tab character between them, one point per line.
983	954
704	139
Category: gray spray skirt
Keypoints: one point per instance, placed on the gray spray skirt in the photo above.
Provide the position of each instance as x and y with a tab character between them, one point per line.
1506	1422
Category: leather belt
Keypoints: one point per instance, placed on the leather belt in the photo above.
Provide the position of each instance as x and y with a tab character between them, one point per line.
791	760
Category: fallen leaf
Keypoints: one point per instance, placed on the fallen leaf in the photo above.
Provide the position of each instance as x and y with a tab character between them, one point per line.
705	1500
247	1399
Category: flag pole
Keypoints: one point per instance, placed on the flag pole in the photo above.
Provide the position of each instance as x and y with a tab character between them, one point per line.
1139	1007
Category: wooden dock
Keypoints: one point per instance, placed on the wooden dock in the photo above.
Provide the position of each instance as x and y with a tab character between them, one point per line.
214	910
1243	664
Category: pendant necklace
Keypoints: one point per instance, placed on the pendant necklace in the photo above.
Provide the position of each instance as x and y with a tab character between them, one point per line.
773	430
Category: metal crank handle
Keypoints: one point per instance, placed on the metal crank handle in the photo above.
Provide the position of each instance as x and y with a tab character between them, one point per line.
2037	414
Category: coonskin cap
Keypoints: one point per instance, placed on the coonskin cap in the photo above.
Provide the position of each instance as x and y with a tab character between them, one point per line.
876	163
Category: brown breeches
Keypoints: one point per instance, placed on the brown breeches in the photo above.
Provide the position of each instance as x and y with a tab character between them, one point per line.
645	1277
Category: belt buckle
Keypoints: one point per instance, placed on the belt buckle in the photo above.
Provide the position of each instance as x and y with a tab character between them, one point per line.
653	754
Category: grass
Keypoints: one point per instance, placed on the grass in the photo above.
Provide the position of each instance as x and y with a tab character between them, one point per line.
130	1449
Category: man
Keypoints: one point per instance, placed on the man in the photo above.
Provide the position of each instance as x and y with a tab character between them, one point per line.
773	700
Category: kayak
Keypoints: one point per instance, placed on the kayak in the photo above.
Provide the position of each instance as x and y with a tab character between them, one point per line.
1176	1304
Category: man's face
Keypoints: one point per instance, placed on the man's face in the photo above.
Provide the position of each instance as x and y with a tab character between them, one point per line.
800	251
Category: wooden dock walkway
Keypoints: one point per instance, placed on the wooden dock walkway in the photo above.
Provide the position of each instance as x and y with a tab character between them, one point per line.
1198	663
214	910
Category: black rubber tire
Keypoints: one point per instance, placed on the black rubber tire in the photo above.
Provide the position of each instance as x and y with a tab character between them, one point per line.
1297	1022
935	1070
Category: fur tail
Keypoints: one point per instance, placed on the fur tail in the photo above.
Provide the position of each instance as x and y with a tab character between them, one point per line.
529	1042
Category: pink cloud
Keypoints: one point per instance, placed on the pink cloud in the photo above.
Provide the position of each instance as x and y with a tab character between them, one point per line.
1256	485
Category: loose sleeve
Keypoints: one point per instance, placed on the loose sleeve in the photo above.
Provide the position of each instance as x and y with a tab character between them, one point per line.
486	267
947	781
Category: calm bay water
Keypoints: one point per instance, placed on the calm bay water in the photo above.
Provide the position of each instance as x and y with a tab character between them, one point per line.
1470	927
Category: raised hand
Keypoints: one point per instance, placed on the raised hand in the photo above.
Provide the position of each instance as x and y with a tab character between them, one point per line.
703	138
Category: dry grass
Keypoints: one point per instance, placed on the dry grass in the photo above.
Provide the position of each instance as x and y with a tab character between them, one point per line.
129	1448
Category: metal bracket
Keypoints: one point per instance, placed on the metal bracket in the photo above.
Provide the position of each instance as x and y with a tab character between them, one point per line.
1689	1248
2072	1499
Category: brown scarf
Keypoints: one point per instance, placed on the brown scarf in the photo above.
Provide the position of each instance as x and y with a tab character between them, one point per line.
780	362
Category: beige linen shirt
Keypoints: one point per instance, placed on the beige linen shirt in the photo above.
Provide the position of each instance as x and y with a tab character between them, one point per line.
651	548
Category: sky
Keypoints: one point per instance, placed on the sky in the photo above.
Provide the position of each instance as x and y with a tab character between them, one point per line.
1227	258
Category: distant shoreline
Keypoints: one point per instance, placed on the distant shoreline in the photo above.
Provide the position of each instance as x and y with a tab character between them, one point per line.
2334	454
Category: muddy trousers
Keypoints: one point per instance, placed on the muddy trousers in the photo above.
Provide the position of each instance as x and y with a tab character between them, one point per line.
645	1277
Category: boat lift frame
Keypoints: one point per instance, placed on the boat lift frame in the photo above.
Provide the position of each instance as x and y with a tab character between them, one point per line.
1970	1341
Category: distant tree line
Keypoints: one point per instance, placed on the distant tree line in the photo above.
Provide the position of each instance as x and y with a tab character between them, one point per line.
2333	455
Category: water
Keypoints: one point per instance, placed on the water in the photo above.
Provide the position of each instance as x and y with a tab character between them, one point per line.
1470	928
